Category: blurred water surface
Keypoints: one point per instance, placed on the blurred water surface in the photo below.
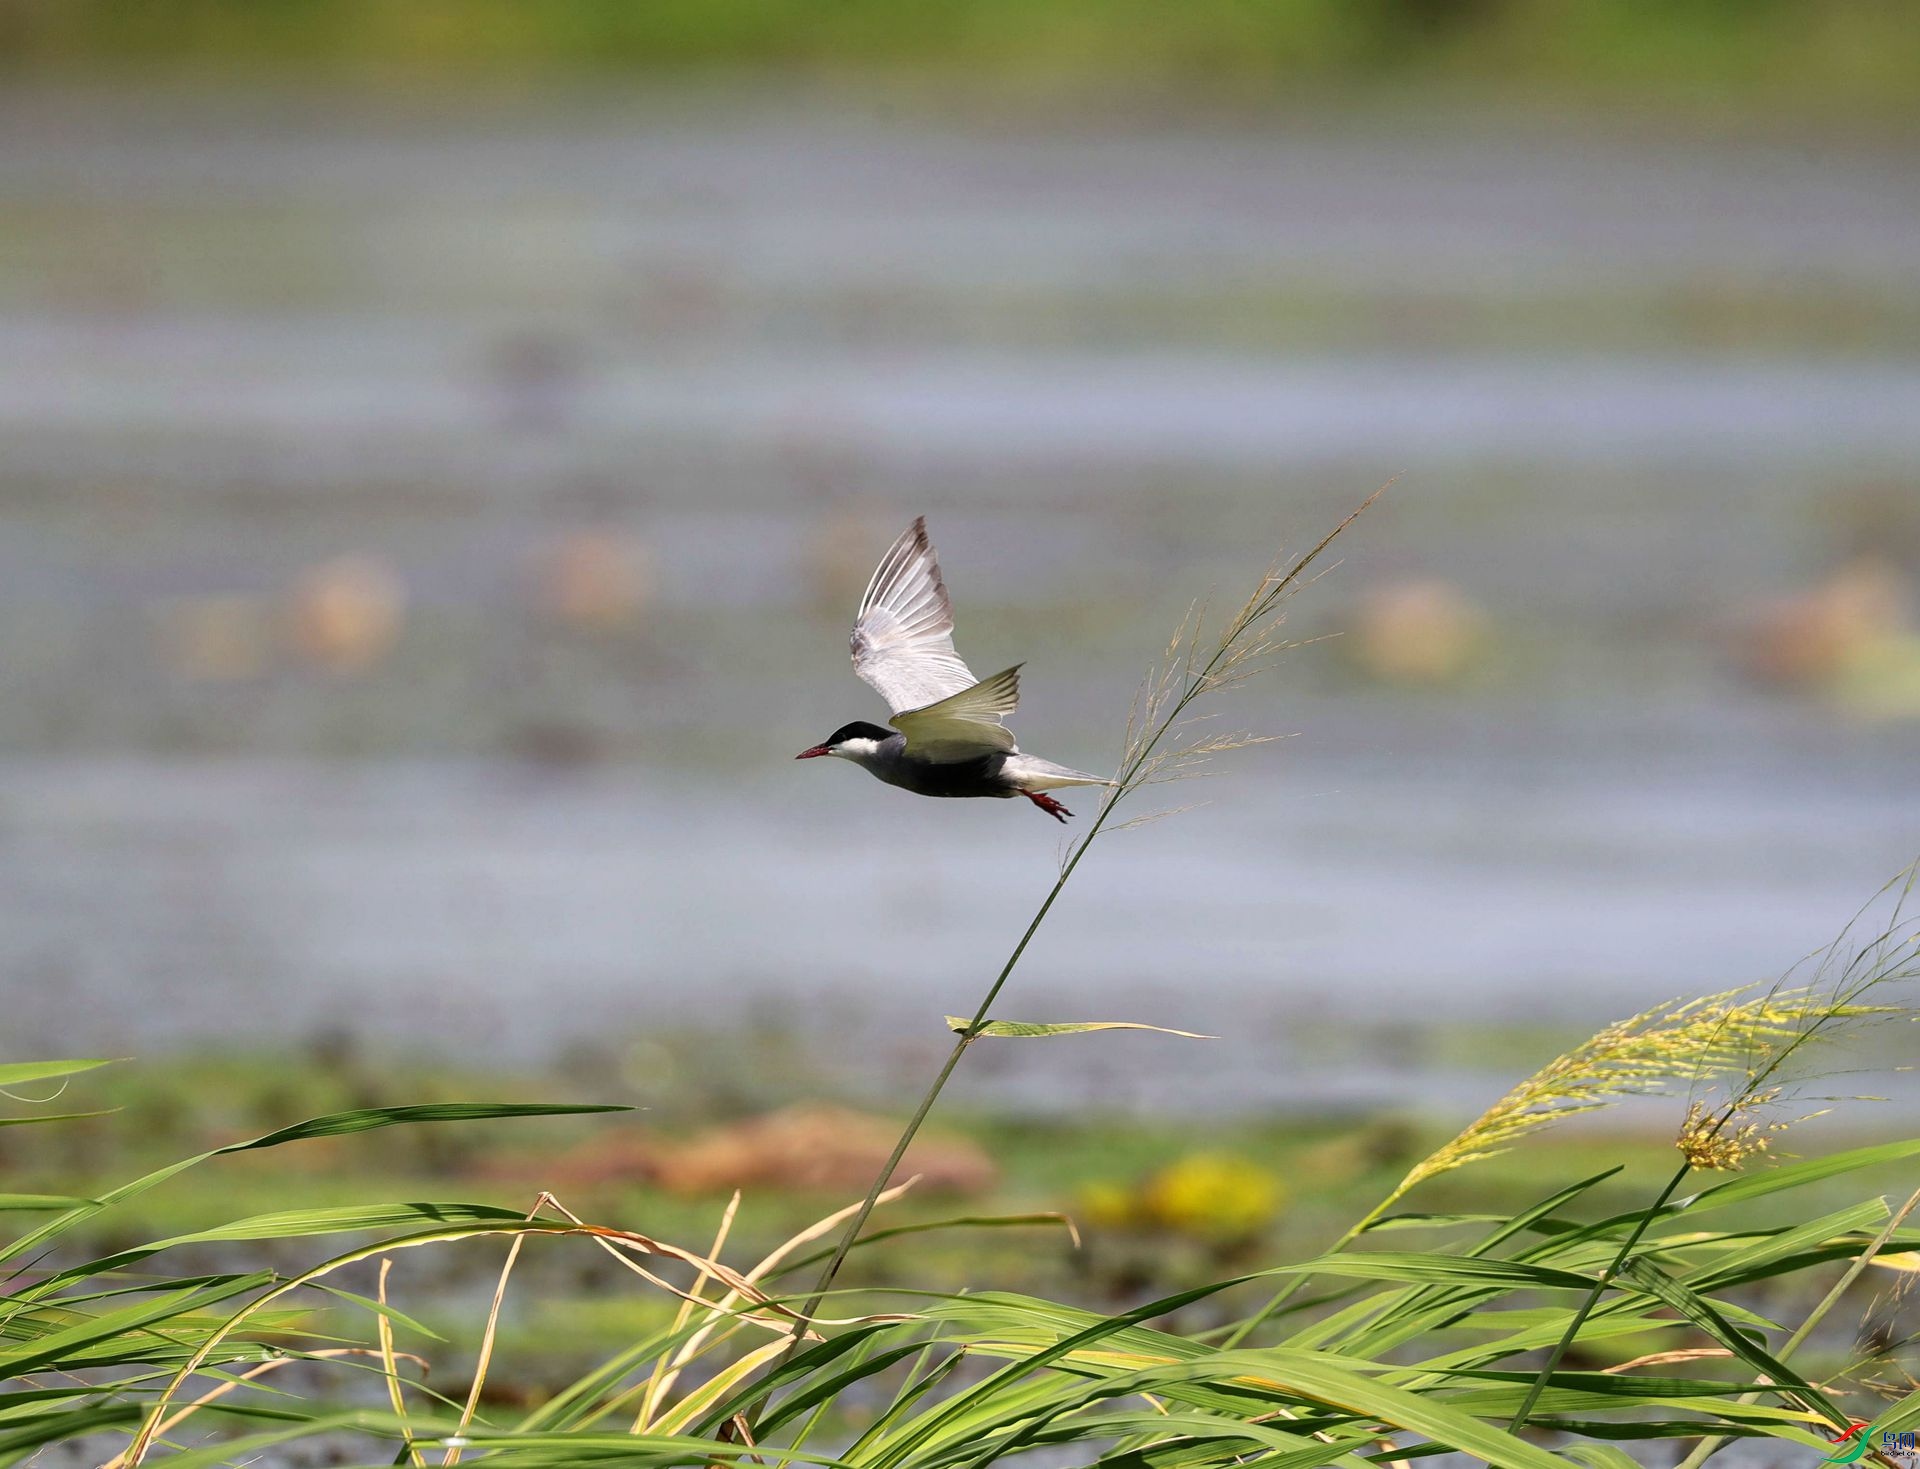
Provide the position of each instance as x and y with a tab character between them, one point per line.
705	357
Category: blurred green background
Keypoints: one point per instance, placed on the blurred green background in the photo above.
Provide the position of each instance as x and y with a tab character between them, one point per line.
1844	60
441	446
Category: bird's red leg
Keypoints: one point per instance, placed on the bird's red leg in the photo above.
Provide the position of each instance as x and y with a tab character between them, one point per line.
1047	804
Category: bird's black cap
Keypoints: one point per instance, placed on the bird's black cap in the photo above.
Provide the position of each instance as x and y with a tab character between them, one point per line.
859	730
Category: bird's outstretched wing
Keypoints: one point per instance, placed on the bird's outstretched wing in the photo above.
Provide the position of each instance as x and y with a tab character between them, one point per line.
903	635
966	725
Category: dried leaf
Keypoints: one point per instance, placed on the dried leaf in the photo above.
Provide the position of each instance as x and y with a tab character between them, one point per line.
1029	1028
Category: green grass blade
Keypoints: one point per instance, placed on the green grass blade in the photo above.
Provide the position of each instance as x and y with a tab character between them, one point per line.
1643	1274
592	1396
1318	1378
1900	1417
367	1119
56	1348
335	1124
1380	1322
912	1391
1750	1186
394	1315
38	1120
812	1386
1780	1248
1434	1269
32	1203
18	1073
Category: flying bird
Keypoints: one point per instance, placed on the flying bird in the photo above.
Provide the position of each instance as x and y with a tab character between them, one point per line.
947	737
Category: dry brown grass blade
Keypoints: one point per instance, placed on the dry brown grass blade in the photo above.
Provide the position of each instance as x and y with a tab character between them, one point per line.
661	1380
822	1227
214	1394
720	1309
738	1286
392	1368
788	1319
1667	1359
487	1337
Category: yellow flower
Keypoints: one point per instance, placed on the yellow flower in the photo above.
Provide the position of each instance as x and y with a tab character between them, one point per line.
1214	1196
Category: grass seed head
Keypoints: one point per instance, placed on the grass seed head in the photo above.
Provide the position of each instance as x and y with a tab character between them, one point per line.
1723	1140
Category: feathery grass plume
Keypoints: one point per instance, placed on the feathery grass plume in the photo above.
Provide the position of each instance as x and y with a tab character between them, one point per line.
1681	1042
1164	740
1743	1038
1746	1040
1846	972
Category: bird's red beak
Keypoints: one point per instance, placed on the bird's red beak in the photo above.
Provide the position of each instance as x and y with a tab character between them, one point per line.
815	753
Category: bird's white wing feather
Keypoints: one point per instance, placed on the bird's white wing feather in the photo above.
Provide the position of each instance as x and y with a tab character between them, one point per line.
903	635
965	725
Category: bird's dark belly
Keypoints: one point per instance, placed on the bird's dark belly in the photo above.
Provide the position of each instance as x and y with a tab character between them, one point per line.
963	778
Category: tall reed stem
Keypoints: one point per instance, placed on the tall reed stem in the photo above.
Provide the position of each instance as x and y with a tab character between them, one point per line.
1605	1278
952	1064
1273	589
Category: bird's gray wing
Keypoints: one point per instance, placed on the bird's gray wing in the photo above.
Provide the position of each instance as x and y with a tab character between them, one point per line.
965	725
903	635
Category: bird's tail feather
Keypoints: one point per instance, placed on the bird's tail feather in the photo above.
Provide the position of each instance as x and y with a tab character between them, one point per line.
1031	773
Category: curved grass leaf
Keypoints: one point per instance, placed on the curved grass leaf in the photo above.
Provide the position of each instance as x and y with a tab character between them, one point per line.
335	1124
1645	1275
1227	1439
1776	1248
56	1348
1372	1325
32	1203
1601	1456
18	1073
351	1219
1322	1379
35	1121
1900	1417
1433	1269
368	1119
1314	1378
586	1399
1392	1222
297	1223
1750	1186
803	1373
393	1316
559	1450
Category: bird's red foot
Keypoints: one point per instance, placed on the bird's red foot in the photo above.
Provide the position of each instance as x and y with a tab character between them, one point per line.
1047	804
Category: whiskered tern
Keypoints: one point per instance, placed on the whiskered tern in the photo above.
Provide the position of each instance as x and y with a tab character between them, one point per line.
948	736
